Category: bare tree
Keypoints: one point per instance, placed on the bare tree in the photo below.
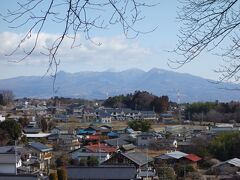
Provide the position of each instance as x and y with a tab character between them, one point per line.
6	96
73	17
211	25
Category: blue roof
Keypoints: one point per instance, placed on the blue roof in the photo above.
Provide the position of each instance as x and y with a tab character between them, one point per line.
82	131
112	134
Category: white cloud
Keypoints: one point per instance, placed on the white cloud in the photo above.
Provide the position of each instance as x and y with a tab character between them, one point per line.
111	51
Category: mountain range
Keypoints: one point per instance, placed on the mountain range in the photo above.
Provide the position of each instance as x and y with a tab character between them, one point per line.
100	85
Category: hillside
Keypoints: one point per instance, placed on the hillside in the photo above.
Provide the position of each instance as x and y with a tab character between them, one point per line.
100	85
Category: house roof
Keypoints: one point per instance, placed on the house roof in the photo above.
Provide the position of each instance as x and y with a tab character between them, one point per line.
31	130
60	128
67	136
138	158
176	154
234	161
146	134
106	126
7	149
148	113
39	135
112	134
92	137
101	148
129	130
116	142
84	131
163	156
128	147
92	128
40	147
90	154
8	158
102	172
193	157
19	177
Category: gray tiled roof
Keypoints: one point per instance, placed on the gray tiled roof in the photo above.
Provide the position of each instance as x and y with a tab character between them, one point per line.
7	149
7	158
40	147
116	142
102	172
31	130
18	177
128	147
138	158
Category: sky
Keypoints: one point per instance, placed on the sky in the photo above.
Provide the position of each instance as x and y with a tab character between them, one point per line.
116	52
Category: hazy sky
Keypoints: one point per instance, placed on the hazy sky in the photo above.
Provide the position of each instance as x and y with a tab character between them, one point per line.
116	52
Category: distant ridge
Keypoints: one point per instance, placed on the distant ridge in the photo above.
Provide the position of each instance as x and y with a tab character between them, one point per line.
100	85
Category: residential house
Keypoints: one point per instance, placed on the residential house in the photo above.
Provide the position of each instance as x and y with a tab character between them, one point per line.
112	135
93	129
131	114
177	157
80	131
61	117
9	160
103	117
140	161
13	165
101	151
59	130
170	157
68	142
41	110
106	126
149	115
77	111
34	136
32	123
88	114
91	139
218	130
101	148
43	153
229	167
32	130
167	118
118	142
191	159
144	139
78	155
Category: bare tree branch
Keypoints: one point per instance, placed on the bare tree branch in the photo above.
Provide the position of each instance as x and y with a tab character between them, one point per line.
74	17
208	25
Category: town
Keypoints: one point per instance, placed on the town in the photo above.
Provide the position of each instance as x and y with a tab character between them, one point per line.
134	136
120	90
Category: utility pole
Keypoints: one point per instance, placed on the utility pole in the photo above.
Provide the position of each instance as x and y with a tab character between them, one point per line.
147	163
15	151
179	108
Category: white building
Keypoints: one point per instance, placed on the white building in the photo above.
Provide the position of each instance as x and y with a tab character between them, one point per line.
9	160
